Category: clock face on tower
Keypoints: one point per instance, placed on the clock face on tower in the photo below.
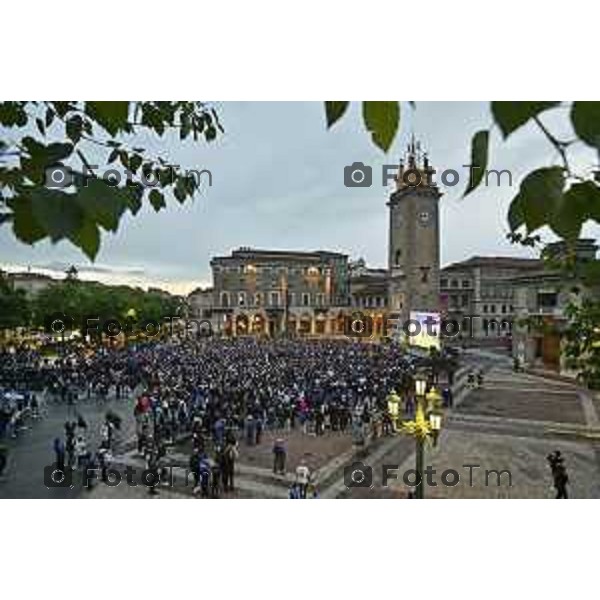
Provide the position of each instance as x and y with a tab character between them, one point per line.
424	218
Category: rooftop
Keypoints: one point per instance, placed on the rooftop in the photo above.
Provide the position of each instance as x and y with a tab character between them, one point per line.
261	254
500	262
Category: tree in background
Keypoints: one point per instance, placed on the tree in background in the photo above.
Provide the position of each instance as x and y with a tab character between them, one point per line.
15	310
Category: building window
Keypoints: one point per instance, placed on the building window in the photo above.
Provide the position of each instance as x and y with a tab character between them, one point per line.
464	300
274	298
424	274
320	299
454	283
444	283
305	299
493	308
242	299
257	299
292	299
397	257
466	283
504	309
225	300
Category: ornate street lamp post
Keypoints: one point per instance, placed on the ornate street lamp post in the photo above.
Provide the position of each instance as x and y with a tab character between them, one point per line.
421	429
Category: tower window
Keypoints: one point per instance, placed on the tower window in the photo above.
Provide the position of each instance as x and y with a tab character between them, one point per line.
425	274
397	257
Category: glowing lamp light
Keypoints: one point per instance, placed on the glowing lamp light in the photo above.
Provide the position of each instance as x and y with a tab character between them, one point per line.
435	422
420	386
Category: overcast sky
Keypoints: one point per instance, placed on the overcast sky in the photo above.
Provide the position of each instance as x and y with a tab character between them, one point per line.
278	183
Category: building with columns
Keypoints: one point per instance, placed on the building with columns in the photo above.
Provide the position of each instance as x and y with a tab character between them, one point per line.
274	292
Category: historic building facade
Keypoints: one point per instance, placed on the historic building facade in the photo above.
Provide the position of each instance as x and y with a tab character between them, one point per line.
479	293
320	293
541	297
274	292
270	292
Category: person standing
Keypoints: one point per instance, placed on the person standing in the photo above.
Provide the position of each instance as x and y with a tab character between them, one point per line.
59	454
279	456
230	454
3	458
302	478
559	474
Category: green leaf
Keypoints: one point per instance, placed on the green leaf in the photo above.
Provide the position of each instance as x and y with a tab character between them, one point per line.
180	190
124	158
40	125
382	120
134	193
57	212
112	116
479	159
541	193
585	117
74	128
578	204
516	217
509	116
102	203
25	226
334	110
62	108
135	161
210	133
87	237
157	200
49	116
41	157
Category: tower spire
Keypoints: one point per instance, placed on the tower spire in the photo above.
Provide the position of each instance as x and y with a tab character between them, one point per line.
414	159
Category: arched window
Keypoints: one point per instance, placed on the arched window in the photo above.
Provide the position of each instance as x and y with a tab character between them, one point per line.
397	257
225	300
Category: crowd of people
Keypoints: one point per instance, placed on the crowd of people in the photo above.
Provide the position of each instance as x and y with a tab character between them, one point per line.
219	393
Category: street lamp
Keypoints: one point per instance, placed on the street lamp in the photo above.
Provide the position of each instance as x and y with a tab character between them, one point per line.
420	387
421	429
435	422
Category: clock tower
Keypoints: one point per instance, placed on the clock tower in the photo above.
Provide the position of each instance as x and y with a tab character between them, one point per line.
414	239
